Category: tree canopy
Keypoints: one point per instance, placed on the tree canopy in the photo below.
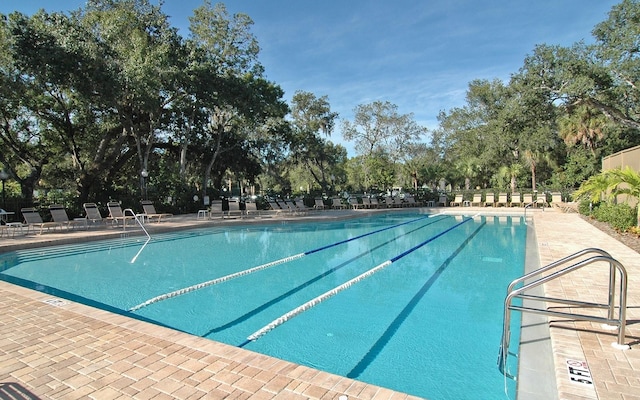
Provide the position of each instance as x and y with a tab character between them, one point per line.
93	100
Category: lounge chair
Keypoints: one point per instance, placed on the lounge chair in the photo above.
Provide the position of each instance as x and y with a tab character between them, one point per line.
374	202
234	209
301	207
336	204
251	209
353	203
292	208
457	201
116	215
527	199
276	207
490	199
541	200
410	201
32	220
477	199
442	200
59	215
92	213
319	204
216	209
515	200
150	211
556	199
502	200
366	202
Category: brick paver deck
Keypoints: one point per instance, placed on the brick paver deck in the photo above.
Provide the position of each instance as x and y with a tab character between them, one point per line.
64	350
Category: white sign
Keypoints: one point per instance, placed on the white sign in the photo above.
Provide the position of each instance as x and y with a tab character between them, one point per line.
579	372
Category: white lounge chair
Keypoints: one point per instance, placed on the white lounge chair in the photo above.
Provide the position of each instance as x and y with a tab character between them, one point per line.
502	200
477	199
490	199
150	211
516	200
457	201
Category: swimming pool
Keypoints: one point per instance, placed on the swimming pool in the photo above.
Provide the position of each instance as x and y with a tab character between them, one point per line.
428	324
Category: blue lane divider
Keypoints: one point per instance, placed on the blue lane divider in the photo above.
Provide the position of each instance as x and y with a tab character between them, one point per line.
263	266
315	301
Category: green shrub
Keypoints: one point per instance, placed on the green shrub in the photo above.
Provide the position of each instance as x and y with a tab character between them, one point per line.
585	208
620	216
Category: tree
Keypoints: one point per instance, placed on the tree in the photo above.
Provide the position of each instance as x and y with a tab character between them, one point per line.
312	118
379	127
232	96
379	130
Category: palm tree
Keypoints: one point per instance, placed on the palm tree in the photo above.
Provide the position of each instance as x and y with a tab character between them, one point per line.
583	125
609	184
626	181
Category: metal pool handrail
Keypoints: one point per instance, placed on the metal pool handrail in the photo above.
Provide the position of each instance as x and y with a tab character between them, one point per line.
610	321
135	217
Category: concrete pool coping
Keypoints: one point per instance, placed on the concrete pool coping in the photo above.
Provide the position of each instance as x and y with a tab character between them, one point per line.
61	349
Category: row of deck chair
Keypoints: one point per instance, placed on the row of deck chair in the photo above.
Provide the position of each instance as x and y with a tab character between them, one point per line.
287	206
515	200
60	219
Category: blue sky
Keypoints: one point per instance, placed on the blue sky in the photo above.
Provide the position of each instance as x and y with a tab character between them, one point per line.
417	54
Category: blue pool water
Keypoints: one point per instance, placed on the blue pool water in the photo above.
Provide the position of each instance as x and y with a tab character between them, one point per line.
428	324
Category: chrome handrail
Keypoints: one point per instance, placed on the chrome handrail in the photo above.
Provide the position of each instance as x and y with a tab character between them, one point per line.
610	320
135	217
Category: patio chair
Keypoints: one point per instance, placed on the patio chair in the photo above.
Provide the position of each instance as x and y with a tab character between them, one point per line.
59	215
301	207
276	207
411	201
527	199
92	213
353	203
477	199
515	200
541	200
116	215
234	209
251	209
374	202
318	204
215	210
490	199
502	200
457	201
336	204
150	211
32	220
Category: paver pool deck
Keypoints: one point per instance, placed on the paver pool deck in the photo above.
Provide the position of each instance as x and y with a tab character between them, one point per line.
52	348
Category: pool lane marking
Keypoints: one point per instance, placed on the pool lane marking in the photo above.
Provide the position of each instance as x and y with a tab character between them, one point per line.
225	278
315	301
316	278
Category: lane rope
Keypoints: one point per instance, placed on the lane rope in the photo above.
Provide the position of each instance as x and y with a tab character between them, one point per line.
225	278
317	300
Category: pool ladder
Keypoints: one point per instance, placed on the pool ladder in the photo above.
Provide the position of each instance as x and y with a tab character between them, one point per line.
544	274
137	218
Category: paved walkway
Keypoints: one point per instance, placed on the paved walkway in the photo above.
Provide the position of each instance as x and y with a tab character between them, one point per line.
53	348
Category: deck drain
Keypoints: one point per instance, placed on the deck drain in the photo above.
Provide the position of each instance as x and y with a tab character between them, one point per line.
55	302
